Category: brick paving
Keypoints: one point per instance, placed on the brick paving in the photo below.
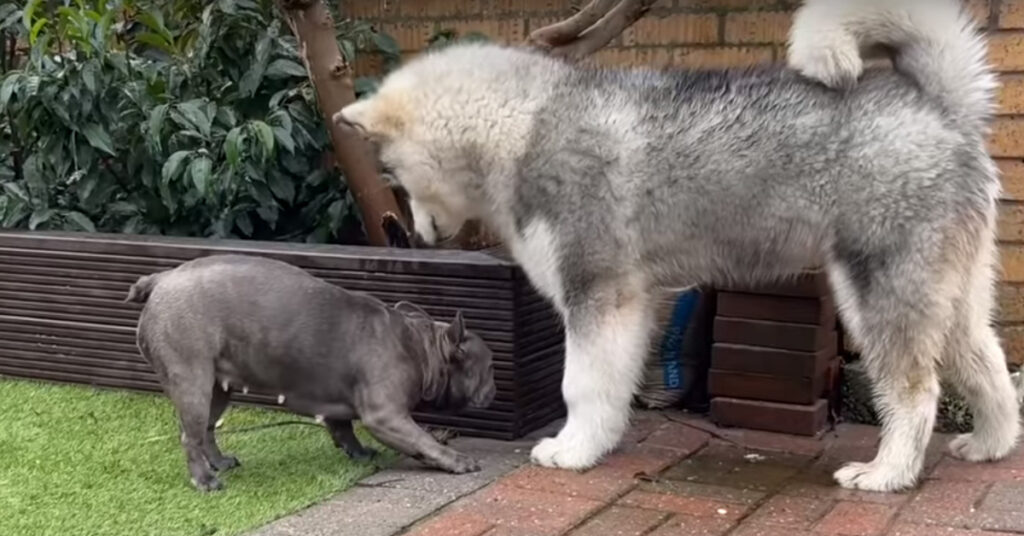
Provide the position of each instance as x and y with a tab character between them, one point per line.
679	476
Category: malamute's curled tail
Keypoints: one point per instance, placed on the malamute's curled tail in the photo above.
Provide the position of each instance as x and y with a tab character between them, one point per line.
936	43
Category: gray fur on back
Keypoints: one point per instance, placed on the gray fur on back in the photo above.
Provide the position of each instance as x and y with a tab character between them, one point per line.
756	171
693	176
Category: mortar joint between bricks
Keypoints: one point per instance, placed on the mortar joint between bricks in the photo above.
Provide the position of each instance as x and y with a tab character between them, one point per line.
983	495
890	525
609	505
437	512
774	492
665	519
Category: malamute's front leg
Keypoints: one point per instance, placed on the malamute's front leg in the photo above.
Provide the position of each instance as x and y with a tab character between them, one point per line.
606	337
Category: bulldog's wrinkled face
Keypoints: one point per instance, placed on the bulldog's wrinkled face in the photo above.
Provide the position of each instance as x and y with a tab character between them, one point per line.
468	362
471	374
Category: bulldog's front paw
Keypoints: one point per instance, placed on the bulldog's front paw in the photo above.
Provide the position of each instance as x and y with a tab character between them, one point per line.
364	454
463	464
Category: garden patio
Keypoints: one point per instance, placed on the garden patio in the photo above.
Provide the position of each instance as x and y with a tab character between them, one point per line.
137	134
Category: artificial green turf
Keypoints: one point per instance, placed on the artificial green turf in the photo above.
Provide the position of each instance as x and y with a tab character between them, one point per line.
82	461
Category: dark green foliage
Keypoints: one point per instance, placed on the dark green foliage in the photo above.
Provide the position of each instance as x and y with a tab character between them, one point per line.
177	117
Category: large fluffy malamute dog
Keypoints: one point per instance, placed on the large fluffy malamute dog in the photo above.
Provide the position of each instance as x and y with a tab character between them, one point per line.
608	183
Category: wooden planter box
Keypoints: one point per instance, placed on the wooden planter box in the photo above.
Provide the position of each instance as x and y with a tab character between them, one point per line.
62	317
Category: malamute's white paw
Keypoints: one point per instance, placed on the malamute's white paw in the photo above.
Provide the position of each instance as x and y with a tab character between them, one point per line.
974	448
559	453
870	477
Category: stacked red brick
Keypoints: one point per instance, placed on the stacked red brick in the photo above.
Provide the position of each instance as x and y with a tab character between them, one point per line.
775	356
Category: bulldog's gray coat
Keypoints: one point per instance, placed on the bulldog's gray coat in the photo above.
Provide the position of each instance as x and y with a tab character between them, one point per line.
225	323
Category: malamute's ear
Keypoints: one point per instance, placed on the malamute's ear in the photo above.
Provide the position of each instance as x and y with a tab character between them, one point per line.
376	117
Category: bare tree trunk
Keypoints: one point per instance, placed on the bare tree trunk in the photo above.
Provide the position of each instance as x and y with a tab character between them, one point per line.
331	76
590	29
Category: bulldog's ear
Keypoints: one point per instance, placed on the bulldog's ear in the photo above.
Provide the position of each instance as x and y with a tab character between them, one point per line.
378	117
456	331
410	308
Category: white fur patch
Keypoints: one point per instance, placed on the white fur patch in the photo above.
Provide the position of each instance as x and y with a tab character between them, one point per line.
423	222
821	46
908	426
354	113
280	399
537	252
976	364
603	365
947	56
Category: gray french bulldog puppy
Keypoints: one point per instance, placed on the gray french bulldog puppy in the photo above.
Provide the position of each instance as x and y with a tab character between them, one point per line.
228	323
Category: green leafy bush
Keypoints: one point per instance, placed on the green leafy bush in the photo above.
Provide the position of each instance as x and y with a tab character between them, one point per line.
176	117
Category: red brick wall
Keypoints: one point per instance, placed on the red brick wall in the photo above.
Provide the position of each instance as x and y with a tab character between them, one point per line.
737	32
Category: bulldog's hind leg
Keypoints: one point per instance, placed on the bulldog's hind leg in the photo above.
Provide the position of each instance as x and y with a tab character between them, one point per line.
218	403
344	438
190	389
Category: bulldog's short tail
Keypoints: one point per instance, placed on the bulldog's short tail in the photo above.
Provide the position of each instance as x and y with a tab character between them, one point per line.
936	43
140	291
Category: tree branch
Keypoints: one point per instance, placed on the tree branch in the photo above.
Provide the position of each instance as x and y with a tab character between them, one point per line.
569	29
331	77
590	29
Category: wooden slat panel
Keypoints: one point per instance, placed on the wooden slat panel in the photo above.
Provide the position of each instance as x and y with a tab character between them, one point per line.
72	269
34	344
441	262
504	373
540	356
69	341
73	359
62	316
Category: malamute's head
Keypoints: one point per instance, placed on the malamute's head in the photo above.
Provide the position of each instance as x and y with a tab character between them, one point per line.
444	121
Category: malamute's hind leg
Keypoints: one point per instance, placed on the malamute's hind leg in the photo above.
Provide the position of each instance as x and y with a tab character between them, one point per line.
898	311
606	338
974	362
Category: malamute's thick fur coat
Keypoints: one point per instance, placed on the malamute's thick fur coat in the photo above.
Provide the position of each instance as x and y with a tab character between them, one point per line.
607	183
